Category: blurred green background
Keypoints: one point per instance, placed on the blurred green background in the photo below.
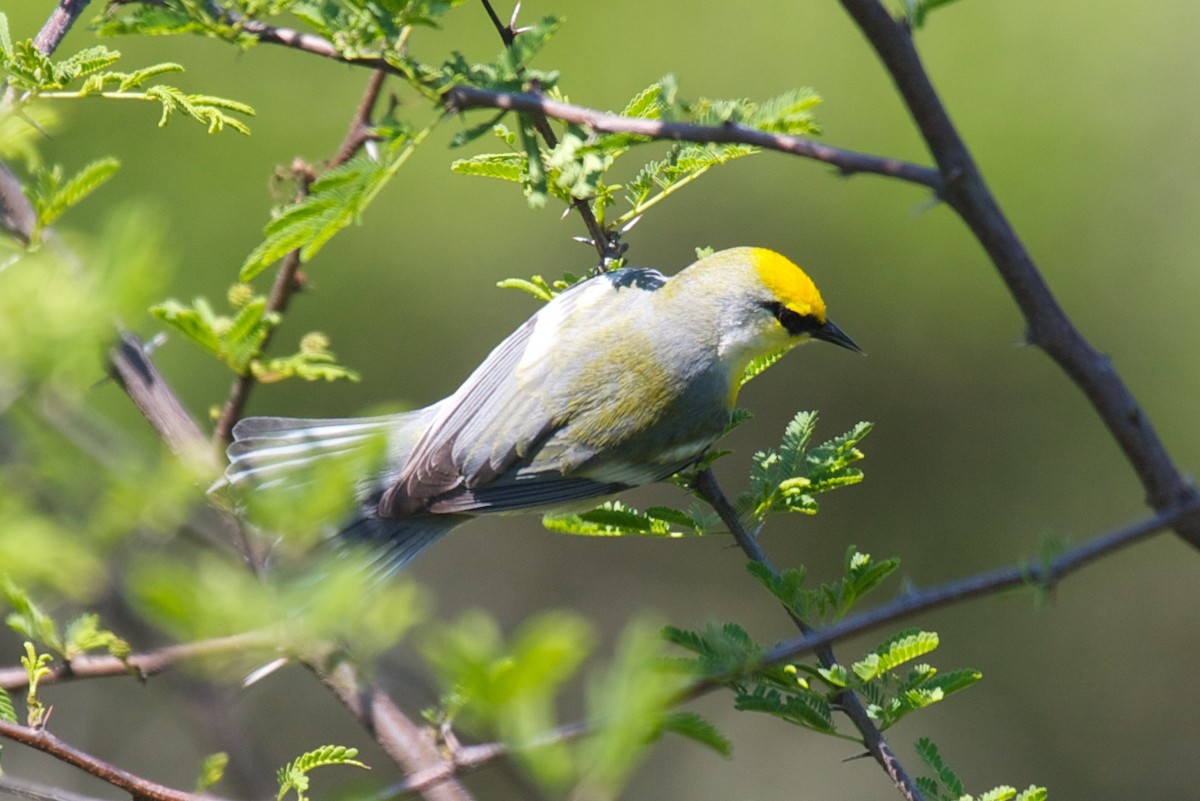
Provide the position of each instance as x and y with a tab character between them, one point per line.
1085	121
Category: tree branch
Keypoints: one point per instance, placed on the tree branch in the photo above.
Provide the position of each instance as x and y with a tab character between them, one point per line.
57	26
1044	575
848	162
142	665
141	789
847	700
607	247
289	279
409	745
461	98
1048	325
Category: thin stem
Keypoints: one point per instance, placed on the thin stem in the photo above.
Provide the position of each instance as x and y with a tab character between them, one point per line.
606	246
847	700
142	665
289	279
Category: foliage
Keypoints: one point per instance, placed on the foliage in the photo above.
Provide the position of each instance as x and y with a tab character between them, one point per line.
807	694
509	690
212	769
332	202
294	776
946	786
782	480
65	512
916	12
80	636
237	339
85	74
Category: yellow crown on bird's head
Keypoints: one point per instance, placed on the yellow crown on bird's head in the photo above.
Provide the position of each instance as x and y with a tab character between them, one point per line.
790	284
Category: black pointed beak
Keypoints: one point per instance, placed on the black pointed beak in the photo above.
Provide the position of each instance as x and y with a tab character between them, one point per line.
831	333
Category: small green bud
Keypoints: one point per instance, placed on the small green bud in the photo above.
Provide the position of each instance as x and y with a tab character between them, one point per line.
239	295
221	326
314	342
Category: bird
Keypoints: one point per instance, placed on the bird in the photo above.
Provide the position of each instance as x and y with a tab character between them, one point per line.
621	380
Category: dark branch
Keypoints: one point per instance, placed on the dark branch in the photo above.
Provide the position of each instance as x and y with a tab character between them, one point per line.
57	26
1048	326
460	98
848	162
141	789
847	700
1044	575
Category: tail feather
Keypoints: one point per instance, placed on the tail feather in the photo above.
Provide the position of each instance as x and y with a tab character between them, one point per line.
281	454
392	544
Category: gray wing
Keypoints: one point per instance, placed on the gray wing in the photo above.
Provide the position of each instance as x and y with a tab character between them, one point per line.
476	454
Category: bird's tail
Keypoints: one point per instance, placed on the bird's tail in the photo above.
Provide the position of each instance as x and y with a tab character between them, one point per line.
293	472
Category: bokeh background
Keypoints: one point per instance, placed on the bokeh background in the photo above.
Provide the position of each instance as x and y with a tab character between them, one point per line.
1085	121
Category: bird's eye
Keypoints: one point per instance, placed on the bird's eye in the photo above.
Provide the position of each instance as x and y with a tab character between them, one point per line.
792	321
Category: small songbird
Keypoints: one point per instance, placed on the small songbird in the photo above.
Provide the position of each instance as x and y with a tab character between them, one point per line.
621	380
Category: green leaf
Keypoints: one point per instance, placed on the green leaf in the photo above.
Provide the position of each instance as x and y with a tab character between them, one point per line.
902	647
51	195
528	43
294	775
804	709
333	202
927	750
212	770
7	713
695	727
83	634
615	519
27	619
917	11
505	166
313	362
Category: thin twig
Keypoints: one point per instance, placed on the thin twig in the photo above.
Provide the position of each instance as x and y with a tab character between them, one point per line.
1044	575
846	700
411	746
141	789
460	98
607	247
288	279
142	665
1048	325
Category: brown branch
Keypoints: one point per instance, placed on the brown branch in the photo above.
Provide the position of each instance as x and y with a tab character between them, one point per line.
847	700
1045	575
411	746
129	364
288	280
139	788
142	665
57	26
848	162
461	98
1048	325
